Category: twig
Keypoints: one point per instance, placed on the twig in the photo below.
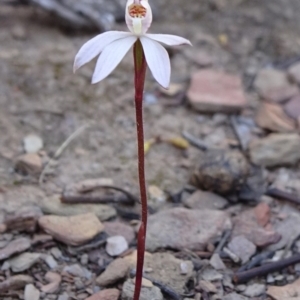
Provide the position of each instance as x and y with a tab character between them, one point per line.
245	276
256	260
283	195
223	241
60	150
194	141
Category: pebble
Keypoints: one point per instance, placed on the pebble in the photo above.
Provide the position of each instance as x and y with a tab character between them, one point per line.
242	247
56	253
78	271
287	292
234	296
273	117
210	274
14	247
64	296
254	290
74	230
15	282
270	278
216	262
116	245
205	200
54	280
206	286
276	150
53	205
184	268
215	91
32	143
24	261
115	271
108	294
119	228
292	107
50	261
84	259
31	292
30	163
146	293
180	228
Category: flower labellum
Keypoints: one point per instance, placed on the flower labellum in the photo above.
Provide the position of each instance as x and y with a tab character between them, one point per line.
112	46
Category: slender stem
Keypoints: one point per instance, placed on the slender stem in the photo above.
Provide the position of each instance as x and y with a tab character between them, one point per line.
140	72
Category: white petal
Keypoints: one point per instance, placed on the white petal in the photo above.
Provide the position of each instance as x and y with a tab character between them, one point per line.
158	61
169	39
111	57
94	46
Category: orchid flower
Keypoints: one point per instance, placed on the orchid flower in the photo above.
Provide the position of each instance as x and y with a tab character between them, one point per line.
113	45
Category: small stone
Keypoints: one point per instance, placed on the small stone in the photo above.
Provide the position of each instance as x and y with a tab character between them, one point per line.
276	150
146	283
115	271
273	85
184	268
146	293
15	283
210	274
30	163
173	90
287	292
242	247
14	247
234	296
116	245
84	259
53	205
56	253
109	294
74	230
214	91
207	287
19	32
181	228
78	271
216	262
254	290
205	200
262	213
50	261
33	143
31	292
292	107
294	72
270	278
64	296
24	261
272	117
157	197
53	286
119	228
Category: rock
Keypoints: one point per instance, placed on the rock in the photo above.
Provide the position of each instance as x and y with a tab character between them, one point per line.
30	163
15	283
50	261
64	296
262	213
243	248
287	292
214	91
287	228
294	72
53	286
272	117
292	107
210	274
206	286
157	197
119	228
74	230
216	262
234	296
205	200
221	171
24	219
24	261
109	294
84	259
19	32
53	205
78	271
153	293
180	228
246	224
31	292
14	247
115	245
32	143
276	150
173	90
115	271
273	85
254	290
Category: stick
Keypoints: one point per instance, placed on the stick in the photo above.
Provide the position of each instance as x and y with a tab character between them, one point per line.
283	195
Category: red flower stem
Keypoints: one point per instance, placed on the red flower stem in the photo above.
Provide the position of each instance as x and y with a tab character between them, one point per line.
139	80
